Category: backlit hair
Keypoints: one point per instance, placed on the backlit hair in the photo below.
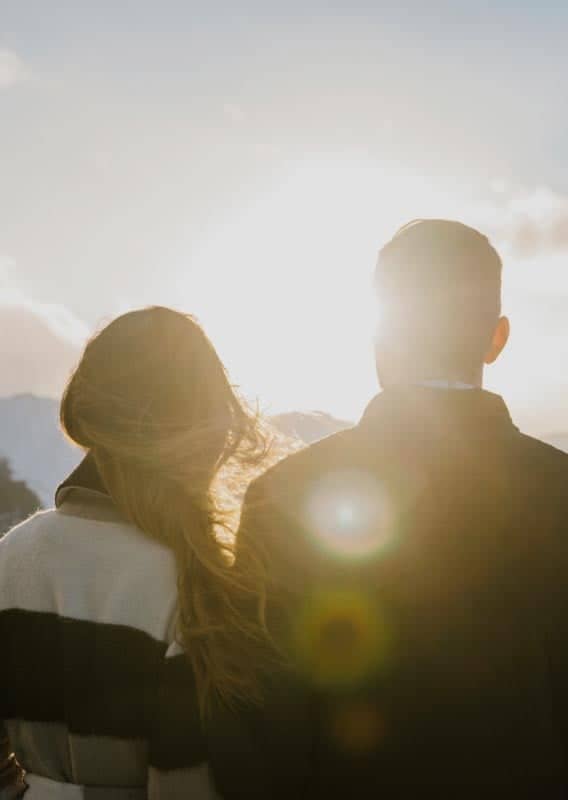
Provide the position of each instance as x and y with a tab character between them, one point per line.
150	400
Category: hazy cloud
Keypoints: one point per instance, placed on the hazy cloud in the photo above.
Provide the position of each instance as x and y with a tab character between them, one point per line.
44	341
61	322
529	238
13	70
234	112
37	361
530	222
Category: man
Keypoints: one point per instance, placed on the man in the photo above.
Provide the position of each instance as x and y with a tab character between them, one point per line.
418	563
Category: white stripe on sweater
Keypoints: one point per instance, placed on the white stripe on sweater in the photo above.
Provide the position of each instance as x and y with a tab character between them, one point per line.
46	789
85	569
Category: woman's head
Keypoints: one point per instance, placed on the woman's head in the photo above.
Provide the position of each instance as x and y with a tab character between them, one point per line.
150	384
151	402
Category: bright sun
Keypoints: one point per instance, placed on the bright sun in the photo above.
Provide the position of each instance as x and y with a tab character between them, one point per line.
285	280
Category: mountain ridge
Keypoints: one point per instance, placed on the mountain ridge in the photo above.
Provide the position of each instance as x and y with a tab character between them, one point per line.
40	454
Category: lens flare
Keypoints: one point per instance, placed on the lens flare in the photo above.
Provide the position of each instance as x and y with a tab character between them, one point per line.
350	514
340	638
357	727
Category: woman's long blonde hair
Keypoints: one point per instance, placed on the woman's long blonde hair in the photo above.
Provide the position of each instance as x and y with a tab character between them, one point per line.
151	402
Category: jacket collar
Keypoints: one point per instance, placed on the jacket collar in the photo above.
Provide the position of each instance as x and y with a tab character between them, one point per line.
83	494
433	412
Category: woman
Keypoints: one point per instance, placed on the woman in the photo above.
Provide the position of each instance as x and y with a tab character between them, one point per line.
119	616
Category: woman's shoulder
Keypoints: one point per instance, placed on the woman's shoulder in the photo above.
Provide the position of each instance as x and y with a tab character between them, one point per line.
50	532
26	533
53	531
88	569
20	552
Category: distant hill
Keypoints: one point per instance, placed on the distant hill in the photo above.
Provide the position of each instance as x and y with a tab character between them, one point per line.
17	500
309	426
39	454
31	440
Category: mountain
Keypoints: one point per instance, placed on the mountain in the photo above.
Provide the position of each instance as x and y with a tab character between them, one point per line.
17	500
38	452
309	426
32	442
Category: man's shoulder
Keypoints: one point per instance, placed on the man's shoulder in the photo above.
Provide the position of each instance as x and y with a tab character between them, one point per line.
328	453
279	508
347	447
544	451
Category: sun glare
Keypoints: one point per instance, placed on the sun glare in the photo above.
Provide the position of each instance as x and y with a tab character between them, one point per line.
284	285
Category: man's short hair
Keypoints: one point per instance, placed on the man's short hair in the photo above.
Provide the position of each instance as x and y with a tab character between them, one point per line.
439	284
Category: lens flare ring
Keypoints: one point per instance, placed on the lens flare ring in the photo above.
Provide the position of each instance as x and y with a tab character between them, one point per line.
350	514
340	638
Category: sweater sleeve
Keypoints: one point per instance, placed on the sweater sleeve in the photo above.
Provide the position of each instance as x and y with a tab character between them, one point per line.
11	774
178	760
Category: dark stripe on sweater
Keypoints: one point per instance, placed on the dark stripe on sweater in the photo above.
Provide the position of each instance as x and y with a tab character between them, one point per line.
100	680
177	704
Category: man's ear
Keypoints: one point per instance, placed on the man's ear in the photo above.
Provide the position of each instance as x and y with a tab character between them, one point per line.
499	340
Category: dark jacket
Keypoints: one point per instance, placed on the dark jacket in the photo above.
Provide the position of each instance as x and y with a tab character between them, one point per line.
419	582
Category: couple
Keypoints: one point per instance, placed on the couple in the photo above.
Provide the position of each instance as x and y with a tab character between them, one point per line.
391	617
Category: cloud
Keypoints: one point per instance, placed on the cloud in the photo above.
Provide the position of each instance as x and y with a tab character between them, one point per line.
61	322
13	70
36	360
42	343
529	238
234	112
531	223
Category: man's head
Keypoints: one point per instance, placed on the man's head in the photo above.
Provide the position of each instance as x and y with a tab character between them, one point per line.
438	284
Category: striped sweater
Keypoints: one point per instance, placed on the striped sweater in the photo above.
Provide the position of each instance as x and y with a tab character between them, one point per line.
97	698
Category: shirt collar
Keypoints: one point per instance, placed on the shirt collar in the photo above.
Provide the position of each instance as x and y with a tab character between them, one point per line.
442	383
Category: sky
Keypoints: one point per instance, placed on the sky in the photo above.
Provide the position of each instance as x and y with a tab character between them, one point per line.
245	162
